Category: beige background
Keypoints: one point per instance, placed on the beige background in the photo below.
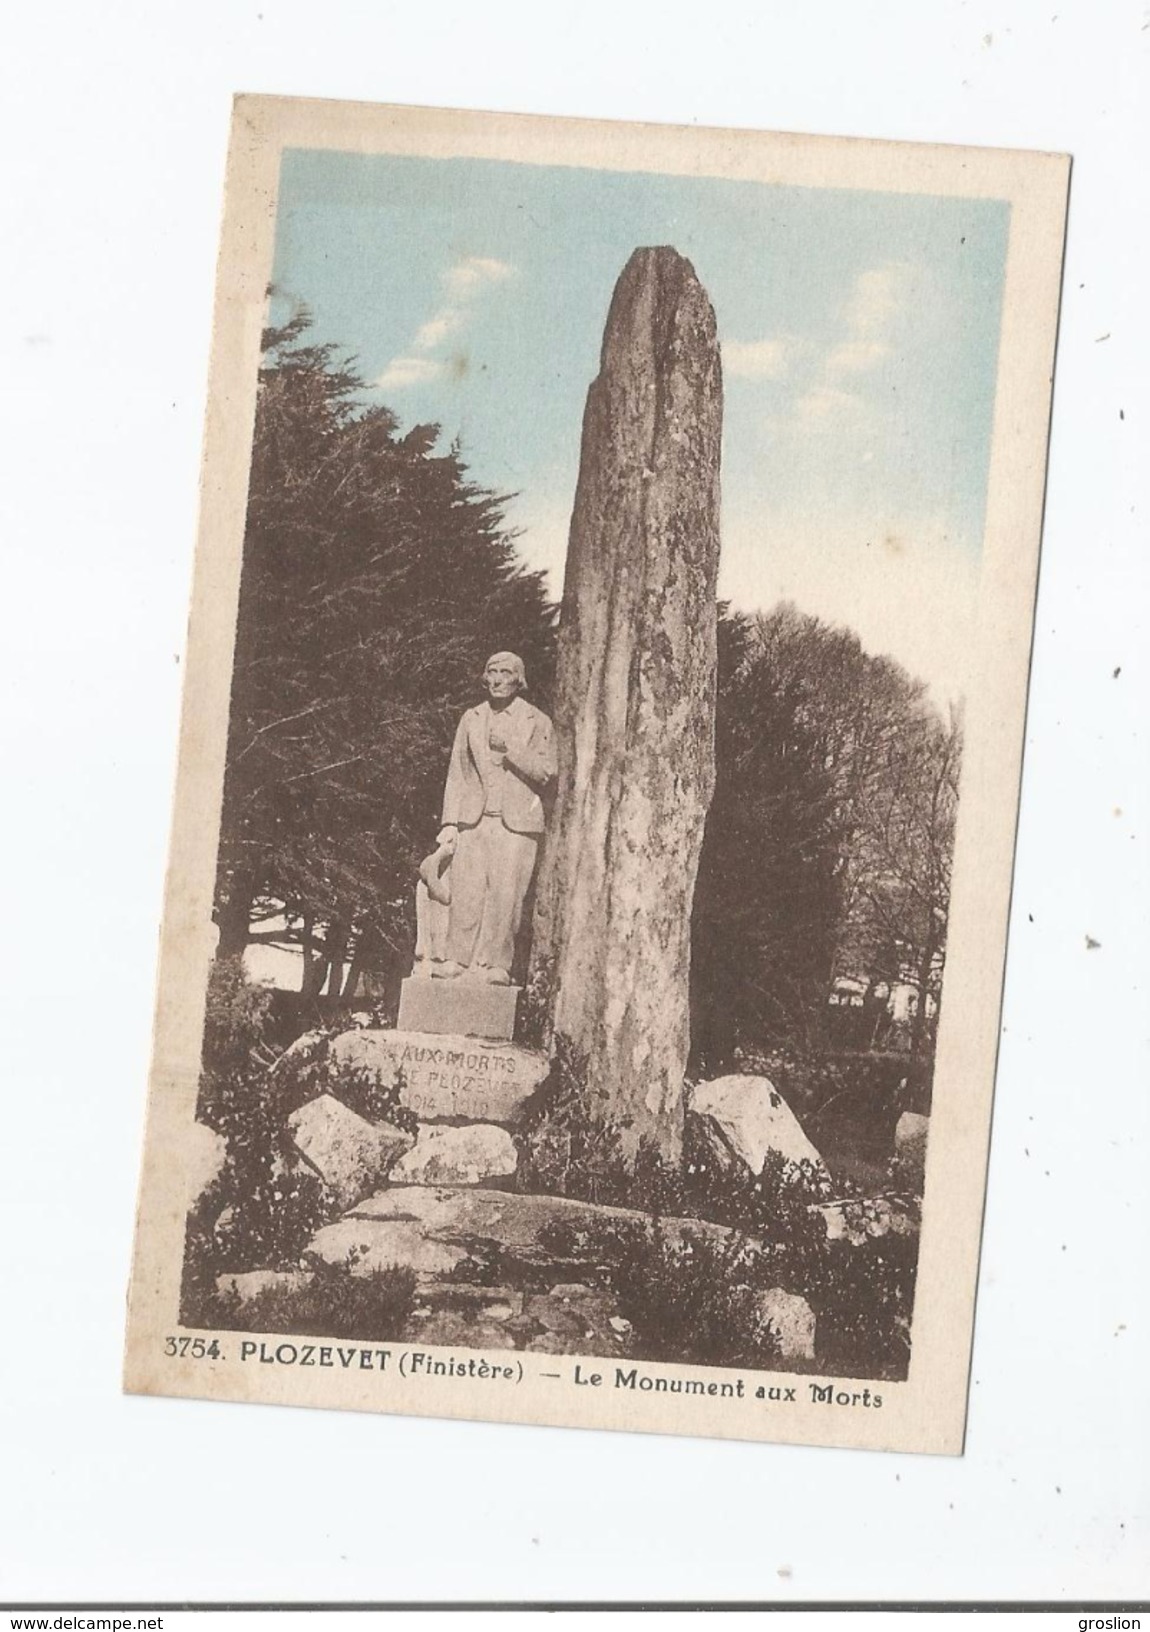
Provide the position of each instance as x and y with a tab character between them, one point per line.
1057	1329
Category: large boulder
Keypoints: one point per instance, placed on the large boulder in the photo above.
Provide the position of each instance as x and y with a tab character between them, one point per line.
910	1136
399	1242
351	1155
634	705
251	1285
448	1155
746	1118
793	1321
466	1079
467	1234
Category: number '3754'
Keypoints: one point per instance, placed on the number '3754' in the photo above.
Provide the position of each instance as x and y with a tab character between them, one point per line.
193	1348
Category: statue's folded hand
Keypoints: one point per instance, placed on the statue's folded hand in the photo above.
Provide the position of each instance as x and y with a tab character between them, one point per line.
537	765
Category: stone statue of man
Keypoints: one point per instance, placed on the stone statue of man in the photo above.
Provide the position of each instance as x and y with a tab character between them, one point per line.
472	891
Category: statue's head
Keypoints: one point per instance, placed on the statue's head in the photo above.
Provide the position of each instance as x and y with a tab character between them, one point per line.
504	676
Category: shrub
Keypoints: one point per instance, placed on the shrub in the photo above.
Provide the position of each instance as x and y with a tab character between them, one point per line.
690	1299
361	1091
863	1297
307	1069
266	1205
565	1149
201	1266
533	1017
861	1289
334	1302
237	1018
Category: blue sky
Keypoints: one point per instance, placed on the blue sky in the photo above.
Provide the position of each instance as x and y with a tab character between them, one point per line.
859	335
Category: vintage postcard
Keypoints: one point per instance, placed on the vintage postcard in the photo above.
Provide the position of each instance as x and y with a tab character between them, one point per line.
587	910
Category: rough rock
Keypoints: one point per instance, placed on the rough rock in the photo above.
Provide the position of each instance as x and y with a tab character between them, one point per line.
351	1155
308	1047
910	1137
473	1235
859	1219
746	1117
447	1078
449	1155
583	1320
203	1157
496	1303
254	1283
394	1243
793	1319
449	1330
635	703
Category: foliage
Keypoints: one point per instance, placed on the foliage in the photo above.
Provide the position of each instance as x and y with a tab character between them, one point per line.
308	1069
363	1092
533	1015
200	1269
690	1299
377	577
899	902
848	1103
266	1205
828	844
570	1146
237	1019
686	1290
863	1298
335	1300
767	900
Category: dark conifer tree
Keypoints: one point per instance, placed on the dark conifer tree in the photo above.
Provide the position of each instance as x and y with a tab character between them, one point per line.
376	579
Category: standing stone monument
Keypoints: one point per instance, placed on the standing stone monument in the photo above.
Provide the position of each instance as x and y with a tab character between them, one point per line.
635	703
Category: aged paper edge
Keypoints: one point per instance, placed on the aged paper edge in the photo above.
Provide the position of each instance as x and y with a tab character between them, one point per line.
926	1412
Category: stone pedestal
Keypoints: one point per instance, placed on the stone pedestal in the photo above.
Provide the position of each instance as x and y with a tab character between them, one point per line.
457	1008
447	1078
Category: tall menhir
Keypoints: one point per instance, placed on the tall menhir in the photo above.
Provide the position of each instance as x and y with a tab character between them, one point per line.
635	703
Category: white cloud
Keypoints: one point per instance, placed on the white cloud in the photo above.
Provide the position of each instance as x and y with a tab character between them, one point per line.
827	408
855	356
756	359
436	330
462	281
468	276
869	318
405	371
876	299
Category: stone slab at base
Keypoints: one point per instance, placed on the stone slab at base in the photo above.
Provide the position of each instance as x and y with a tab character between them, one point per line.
457	1008
447	1079
435	1230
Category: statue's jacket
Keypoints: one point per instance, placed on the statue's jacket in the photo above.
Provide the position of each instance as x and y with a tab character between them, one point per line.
530	765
